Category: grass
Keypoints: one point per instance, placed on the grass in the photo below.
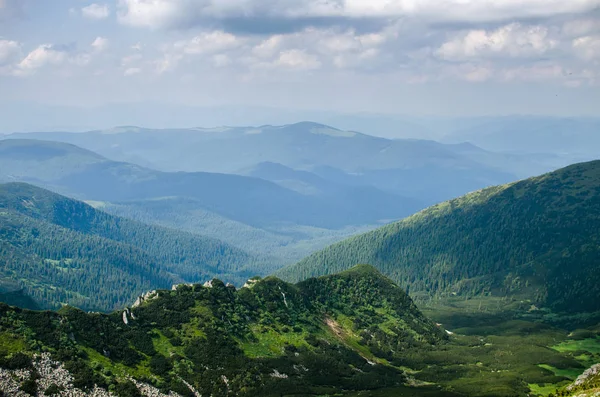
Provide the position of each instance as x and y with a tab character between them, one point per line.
545	389
571	373
271	343
10	343
163	346
140	371
590	345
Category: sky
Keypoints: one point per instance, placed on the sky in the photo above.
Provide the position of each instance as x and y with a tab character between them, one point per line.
426	57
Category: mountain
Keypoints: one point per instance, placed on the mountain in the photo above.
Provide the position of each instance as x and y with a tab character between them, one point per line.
85	175
333	335
349	196
59	250
230	149
449	171
535	239
532	134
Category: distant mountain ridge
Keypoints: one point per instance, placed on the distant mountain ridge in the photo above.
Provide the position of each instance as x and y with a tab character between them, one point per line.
230	149
535	239
85	175
423	170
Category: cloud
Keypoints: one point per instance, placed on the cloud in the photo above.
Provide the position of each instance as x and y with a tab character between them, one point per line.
581	26
208	42
132	71
9	51
298	59
513	40
100	44
43	55
284	16
587	47
420	40
96	11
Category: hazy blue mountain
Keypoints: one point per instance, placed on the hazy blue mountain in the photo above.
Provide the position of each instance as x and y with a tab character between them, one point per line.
231	149
345	195
390	165
78	172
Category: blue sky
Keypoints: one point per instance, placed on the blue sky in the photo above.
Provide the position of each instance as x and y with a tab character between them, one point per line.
391	56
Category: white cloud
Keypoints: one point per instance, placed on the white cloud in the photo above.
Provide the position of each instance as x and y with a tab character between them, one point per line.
9	51
100	44
298	59
43	55
208	42
587	47
96	11
513	40
268	48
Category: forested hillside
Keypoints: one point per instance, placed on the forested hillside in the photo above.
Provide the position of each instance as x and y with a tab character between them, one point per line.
61	250
536	238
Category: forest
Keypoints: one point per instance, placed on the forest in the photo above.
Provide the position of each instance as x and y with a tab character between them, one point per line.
62	251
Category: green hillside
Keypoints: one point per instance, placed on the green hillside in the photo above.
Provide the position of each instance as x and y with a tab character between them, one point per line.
319	337
537	239
60	250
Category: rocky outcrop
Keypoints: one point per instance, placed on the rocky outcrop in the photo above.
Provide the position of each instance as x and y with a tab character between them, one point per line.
53	374
148	296
587	384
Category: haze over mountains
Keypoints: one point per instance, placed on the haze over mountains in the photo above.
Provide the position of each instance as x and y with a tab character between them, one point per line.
410	167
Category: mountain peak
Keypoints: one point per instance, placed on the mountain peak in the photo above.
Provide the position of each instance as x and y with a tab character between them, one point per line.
317	129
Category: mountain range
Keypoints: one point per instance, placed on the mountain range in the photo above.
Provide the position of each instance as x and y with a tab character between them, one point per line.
308	146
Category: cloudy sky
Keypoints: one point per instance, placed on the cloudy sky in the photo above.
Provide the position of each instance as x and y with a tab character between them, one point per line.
393	56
